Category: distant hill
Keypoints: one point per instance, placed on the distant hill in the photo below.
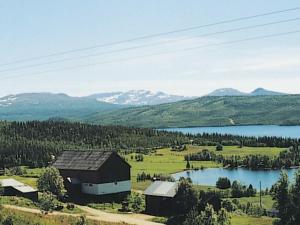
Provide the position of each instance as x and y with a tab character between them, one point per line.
262	91
137	97
235	92
42	106
226	92
209	111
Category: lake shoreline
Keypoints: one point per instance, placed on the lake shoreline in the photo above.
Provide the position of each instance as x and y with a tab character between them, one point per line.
243	130
209	176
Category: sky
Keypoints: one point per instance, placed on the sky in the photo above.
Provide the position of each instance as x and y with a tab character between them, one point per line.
190	63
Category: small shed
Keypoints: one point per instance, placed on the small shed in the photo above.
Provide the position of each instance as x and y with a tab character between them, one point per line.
160	197
12	187
95	173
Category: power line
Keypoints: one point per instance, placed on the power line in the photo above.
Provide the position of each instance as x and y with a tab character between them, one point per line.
150	36
151	44
157	54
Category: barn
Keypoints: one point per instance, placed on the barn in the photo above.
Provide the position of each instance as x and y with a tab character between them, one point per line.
160	197
95	173
11	187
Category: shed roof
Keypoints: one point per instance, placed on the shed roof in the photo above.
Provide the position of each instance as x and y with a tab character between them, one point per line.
10	183
25	189
162	188
17	185
82	160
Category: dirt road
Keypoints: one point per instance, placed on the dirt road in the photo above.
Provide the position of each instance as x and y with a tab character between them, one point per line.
93	214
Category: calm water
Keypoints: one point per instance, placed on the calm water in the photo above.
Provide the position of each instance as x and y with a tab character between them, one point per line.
253	130
210	176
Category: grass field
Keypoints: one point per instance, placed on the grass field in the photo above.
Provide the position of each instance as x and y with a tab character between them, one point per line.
165	161
267	201
248	220
24	202
21	218
244	151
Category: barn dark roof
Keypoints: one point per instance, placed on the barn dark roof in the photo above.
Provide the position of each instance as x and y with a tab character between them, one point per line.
82	160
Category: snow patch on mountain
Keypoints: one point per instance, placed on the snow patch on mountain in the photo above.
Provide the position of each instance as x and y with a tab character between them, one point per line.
7	100
138	97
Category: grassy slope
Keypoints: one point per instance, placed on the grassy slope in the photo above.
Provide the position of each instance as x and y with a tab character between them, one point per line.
21	218
267	201
166	161
248	220
235	150
208	111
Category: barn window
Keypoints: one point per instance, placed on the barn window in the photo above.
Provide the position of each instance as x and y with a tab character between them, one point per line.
91	185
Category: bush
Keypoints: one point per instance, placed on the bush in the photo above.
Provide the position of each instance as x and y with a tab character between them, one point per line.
51	181
207	217
70	206
223	183
219	147
8	221
238	190
18	171
229	205
81	220
47	202
136	202
139	157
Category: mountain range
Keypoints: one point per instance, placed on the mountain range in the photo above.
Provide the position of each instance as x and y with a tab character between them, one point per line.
138	97
150	109
42	106
208	111
235	92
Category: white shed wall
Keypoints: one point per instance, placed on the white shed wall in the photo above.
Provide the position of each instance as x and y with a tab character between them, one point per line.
107	188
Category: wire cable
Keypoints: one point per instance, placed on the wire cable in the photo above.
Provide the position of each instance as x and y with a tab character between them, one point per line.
157	54
151	44
150	36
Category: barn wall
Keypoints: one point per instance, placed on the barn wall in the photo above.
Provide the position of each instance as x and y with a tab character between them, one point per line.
107	188
158	205
114	169
82	175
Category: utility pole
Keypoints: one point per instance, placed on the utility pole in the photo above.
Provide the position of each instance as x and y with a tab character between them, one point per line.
260	194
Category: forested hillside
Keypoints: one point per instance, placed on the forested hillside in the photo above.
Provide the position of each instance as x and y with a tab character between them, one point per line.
35	143
209	111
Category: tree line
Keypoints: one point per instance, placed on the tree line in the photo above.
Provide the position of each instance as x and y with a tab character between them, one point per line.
36	143
287	158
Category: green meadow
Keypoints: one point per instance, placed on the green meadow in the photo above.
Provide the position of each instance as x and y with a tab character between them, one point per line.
165	161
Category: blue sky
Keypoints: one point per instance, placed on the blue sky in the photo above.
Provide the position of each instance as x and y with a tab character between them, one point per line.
33	28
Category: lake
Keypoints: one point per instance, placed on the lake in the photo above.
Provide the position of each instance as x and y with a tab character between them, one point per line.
252	130
245	176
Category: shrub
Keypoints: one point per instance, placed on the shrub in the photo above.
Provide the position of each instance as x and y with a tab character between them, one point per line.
81	220
223	183
136	202
51	181
219	147
8	221
47	202
229	205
